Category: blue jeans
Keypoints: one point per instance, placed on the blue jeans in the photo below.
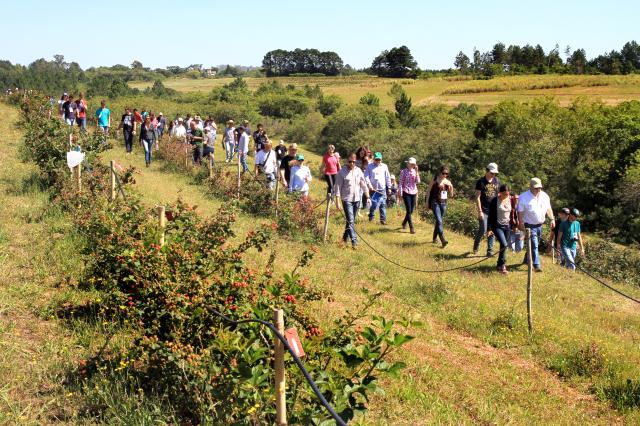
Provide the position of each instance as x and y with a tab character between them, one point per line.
128	139
536	235
82	123
517	244
378	201
270	180
569	256
503	234
350	209
482	230
148	145
439	210
243	162
197	154
229	147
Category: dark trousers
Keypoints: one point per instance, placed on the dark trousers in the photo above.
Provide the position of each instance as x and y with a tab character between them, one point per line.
503	235
197	154
128	139
329	179
409	206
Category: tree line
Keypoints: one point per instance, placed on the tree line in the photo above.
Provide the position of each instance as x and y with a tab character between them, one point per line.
277	63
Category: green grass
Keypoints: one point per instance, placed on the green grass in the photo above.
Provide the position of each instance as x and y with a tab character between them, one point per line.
610	89
472	360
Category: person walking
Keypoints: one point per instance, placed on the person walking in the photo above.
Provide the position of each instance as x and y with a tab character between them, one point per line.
197	140
229	140
286	163
500	224
148	137
103	116
266	163
300	177
162	125
281	151
81	116
259	138
330	167
243	148
69	108
128	126
350	186
517	238
534	205
379	180
440	190
486	190
552	243
179	131
408	191
569	237
210	142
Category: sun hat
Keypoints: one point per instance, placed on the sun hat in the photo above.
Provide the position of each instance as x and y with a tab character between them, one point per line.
245	122
575	212
230	121
492	168
535	183
377	156
160	114
299	157
566	211
180	119
412	160
293	146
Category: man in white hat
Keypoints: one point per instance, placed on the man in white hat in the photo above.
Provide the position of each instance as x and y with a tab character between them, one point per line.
534	206
486	190
179	131
229	140
162	124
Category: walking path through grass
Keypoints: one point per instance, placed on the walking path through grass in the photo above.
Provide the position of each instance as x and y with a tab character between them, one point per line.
472	360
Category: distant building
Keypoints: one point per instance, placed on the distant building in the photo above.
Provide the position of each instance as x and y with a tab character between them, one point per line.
209	72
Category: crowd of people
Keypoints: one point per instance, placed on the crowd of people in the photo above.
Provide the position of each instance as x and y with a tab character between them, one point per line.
364	182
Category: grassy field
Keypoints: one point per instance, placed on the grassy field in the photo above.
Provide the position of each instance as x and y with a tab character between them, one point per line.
472	361
610	89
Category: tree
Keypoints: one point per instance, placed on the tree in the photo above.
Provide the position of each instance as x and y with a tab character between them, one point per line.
396	63
328	104
499	54
308	61
578	61
630	55
370	99
462	63
136	65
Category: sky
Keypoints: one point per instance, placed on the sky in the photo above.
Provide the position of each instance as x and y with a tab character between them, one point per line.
162	33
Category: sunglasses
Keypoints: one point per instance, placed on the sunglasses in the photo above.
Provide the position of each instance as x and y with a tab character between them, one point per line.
352	161
445	174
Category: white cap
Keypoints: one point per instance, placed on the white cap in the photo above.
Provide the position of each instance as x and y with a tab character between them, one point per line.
535	183
393	177
412	160
159	114
492	168
180	119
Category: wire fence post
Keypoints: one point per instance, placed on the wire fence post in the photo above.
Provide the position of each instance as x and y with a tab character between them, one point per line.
326	218
79	176
186	155
210	165
238	174
277	192
161	224
112	194
529	279
281	402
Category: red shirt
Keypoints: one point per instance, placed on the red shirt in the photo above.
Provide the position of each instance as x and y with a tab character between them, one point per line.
137	117
82	110
330	164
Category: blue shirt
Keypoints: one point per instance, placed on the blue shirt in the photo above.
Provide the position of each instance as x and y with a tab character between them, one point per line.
102	114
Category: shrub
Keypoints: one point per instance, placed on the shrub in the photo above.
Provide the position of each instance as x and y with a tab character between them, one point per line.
612	262
307	130
461	216
283	106
328	104
585	361
624	395
346	122
370	99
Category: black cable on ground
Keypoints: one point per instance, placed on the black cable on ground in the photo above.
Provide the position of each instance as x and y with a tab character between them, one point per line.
295	357
589	274
427	271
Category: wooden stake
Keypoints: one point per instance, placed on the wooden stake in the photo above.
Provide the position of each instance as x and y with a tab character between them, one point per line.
79	176
281	402
186	156
161	223
277	191
326	218
529	279
113	181
210	165
238	175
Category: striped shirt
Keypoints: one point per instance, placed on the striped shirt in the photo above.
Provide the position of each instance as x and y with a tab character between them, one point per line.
409	180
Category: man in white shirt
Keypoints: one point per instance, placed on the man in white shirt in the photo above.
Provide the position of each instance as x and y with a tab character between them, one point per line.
266	162
534	206
379	181
229	140
243	149
350	185
179	131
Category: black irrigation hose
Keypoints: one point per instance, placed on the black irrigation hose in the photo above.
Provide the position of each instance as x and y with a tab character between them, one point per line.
589	274
295	357
427	271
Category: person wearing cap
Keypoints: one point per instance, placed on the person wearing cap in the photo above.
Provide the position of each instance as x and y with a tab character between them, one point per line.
286	163
300	177
569	237
440	190
259	138
486	190
243	148
500	224
534	205
128	126
245	129
162	124
229	140
379	180
179	131
197	141
350	186
281	151
408	191
266	163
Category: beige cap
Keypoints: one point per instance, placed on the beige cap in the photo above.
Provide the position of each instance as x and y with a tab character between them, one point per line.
535	183
293	146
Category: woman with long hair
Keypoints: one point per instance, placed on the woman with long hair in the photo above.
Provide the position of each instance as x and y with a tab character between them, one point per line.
440	190
408	191
148	137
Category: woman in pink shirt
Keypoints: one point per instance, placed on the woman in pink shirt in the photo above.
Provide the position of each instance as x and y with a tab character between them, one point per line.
330	167
408	191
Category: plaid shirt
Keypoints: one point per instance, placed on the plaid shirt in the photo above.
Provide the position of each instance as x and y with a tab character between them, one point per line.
409	180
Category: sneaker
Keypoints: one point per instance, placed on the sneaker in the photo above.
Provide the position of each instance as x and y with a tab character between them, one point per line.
444	243
537	268
353	246
412	230
490	253
370	219
383	222
504	269
434	241
475	252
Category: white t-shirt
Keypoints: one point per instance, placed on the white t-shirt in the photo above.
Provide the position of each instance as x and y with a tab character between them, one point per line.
243	143
267	160
534	209
300	178
179	131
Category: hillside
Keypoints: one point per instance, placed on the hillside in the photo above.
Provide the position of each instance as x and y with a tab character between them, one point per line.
472	361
